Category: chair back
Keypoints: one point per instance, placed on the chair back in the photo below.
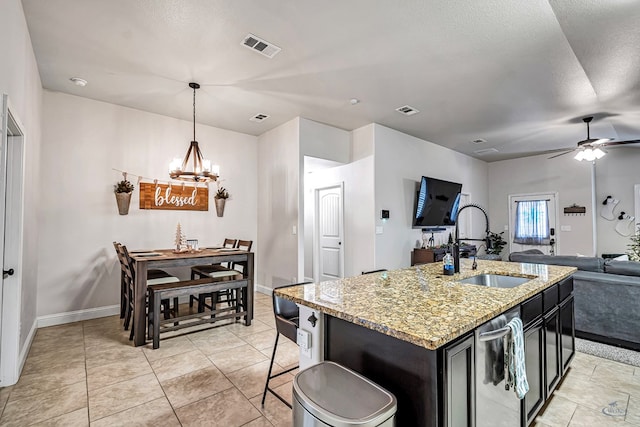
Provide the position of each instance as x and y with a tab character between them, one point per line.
244	245
127	266
286	313
374	271
229	243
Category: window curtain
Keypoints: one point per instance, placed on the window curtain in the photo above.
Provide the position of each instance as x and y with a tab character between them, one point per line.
532	223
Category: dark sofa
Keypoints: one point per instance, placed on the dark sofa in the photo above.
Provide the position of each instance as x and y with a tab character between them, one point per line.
607	296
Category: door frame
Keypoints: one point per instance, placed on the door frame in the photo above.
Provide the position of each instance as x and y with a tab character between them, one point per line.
11	358
316	227
556	213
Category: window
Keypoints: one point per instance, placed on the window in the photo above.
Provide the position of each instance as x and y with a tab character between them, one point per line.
532	222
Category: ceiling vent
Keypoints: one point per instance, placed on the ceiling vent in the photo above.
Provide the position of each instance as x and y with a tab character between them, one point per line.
486	151
407	110
259	118
261	46
479	141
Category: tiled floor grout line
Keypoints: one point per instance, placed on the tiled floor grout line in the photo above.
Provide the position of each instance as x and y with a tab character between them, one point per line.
161	387
86	373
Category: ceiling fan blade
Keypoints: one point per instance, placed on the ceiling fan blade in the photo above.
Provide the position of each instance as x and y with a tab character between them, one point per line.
610	143
561	154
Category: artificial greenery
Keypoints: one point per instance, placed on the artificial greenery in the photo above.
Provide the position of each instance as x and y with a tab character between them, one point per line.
634	247
123	186
222	193
497	243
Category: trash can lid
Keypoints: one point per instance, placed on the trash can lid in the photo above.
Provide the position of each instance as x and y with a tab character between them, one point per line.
341	397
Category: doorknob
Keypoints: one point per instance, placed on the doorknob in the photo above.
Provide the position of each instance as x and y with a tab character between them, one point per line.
8	272
339	243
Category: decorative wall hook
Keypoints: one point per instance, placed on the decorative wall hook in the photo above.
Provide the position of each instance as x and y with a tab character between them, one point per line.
575	210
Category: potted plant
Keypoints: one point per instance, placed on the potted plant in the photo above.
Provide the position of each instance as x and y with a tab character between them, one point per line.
220	198
496	244
123	191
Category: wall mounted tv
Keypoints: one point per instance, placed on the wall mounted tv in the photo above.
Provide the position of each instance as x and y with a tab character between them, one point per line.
437	203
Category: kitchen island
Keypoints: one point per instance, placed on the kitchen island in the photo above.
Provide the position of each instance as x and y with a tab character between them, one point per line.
416	333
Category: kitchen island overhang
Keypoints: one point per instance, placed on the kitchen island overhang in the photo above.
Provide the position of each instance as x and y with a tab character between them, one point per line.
417	306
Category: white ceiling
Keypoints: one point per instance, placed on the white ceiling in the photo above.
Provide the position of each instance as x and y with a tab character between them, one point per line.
519	74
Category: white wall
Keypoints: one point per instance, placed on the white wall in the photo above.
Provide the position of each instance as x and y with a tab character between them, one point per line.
82	140
569	178
19	79
616	174
400	161
278	204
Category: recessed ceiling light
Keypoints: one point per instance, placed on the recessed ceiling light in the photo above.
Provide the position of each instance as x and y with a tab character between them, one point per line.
78	81
354	101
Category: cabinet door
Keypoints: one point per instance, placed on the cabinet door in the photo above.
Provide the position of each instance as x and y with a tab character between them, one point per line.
568	332
534	357
460	384
553	367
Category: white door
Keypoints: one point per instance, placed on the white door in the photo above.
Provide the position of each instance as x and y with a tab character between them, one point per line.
330	233
11	237
542	204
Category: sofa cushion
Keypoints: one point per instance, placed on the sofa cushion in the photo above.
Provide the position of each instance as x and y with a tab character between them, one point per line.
626	268
582	263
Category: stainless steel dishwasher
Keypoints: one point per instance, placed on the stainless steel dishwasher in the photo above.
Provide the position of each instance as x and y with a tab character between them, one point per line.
495	406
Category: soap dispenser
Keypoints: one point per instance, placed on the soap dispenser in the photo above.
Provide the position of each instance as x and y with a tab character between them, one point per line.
447	262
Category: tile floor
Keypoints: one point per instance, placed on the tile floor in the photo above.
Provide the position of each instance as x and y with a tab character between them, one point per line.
88	373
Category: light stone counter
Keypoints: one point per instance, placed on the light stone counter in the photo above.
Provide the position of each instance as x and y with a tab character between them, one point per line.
419	304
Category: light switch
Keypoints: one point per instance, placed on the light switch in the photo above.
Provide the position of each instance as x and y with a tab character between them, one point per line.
294	230
379	229
565	228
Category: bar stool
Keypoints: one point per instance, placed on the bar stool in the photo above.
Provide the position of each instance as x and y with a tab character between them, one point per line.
287	321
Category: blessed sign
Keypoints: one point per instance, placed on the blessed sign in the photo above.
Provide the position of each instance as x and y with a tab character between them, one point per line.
173	197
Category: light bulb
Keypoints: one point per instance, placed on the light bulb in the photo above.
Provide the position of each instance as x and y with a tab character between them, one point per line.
598	153
589	155
215	170
580	156
206	165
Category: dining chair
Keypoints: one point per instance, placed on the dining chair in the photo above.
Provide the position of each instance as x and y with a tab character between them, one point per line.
287	322
374	271
203	271
156	277
152	274
234	271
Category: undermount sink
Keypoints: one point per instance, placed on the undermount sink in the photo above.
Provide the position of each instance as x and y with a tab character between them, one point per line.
495	280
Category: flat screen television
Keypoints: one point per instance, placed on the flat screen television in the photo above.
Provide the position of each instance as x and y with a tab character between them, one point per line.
437	203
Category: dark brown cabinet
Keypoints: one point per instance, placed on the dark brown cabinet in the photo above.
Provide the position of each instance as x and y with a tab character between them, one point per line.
534	356
459	371
568	332
553	368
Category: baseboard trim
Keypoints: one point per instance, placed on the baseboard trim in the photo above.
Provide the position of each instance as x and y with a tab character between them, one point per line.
22	358
264	290
78	315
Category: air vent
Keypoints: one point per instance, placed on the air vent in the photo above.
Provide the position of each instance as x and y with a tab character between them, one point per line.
259	118
407	110
486	151
479	141
261	46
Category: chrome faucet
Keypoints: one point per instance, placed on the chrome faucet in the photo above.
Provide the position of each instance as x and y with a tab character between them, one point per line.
456	242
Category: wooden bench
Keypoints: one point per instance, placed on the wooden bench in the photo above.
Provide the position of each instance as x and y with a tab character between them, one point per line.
190	287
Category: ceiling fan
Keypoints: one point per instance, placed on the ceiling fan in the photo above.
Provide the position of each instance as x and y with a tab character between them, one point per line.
590	149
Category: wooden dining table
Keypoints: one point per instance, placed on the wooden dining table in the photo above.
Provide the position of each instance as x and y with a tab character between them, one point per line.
168	258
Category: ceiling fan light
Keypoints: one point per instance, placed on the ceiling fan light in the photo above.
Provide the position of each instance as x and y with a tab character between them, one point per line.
598	153
579	156
589	155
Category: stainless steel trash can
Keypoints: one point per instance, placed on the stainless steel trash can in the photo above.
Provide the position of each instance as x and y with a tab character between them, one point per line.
328	394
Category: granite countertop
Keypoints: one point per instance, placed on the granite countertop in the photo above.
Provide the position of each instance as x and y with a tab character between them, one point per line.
419	304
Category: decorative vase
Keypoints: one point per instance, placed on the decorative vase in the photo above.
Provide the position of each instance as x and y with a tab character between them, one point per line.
220	206
123	200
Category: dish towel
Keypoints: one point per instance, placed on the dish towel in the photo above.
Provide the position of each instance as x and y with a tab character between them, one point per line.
515	368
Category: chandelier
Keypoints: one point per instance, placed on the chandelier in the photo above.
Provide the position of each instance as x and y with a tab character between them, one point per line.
201	169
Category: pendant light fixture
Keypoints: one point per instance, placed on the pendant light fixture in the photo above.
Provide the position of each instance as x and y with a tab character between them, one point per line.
201	169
